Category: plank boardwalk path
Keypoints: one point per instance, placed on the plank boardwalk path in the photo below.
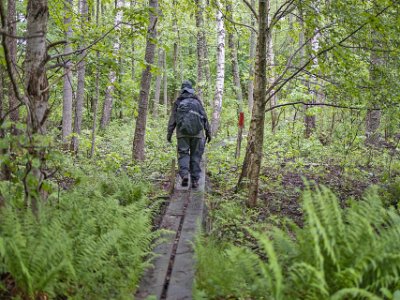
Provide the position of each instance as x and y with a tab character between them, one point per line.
172	274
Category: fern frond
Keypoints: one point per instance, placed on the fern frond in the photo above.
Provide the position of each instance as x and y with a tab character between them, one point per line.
273	264
354	292
308	281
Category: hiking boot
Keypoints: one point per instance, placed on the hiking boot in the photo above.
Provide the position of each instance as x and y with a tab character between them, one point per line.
195	184
185	181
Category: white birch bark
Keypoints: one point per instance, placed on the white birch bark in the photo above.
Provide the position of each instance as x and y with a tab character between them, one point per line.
36	83
109	97
67	90
219	89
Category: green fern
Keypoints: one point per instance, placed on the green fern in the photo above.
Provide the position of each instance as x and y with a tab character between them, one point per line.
89	244
350	253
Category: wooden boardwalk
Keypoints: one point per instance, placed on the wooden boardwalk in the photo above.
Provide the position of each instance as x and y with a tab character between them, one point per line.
172	274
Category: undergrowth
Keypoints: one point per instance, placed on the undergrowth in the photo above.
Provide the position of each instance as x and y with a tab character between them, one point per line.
337	254
92	237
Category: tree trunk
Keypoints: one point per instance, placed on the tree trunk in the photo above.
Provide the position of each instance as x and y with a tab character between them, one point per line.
176	52
12	49
200	47
97	87
373	118
37	90
36	83
109	97
140	129
252	57
80	93
219	89
252	161
67	91
132	5
4	169
271	78
232	42
157	92
165	81
309	118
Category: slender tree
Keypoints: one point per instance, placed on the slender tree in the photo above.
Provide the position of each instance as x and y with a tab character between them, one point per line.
271	74
219	88
200	47
97	87
157	92
252	161
67	91
140	129
109	97
80	91
12	48
165	82
373	118
252	56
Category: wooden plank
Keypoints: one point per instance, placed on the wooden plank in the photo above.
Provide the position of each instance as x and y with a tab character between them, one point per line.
152	283
183	272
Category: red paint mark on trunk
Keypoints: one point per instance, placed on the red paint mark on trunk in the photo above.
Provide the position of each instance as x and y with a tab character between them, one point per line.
241	119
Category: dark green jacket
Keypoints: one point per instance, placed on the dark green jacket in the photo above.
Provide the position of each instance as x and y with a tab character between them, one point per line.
172	119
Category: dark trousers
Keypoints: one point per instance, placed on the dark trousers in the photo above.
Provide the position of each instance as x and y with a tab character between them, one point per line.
190	151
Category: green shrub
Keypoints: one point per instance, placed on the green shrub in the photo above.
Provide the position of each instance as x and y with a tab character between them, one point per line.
338	254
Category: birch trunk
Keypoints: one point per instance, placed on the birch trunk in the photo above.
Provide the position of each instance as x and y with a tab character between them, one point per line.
140	129
109	97
36	83
252	58
80	93
37	90
67	91
252	161
200	47
219	89
12	49
157	92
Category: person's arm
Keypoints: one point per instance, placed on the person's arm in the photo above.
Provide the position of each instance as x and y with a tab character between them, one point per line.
205	120
171	123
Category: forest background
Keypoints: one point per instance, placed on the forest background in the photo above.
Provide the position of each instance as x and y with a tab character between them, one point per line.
86	90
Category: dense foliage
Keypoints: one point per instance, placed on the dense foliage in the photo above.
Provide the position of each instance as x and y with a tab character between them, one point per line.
337	254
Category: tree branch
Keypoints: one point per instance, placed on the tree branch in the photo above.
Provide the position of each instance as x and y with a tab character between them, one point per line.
251	8
4	32
79	51
236	23
275	83
319	104
7	57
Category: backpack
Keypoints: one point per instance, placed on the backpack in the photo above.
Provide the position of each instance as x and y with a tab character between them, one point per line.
188	118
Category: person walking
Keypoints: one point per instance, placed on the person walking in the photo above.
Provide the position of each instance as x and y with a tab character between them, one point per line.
190	120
